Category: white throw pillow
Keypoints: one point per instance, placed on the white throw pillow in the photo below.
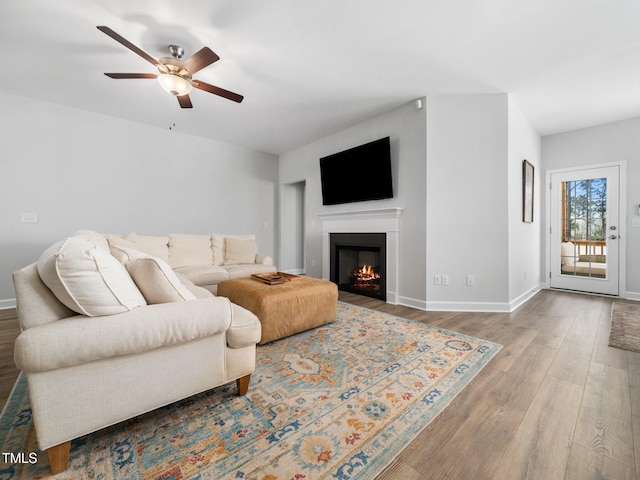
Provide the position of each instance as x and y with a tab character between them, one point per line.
218	244
568	254
239	251
94	237
157	282
87	279
125	255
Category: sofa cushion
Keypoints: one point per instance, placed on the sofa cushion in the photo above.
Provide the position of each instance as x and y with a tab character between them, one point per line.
586	268
238	251
157	282
199	292
218	244
204	274
189	249
156	246
88	280
246	270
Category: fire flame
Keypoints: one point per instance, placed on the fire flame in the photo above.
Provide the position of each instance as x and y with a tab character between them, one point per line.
366	273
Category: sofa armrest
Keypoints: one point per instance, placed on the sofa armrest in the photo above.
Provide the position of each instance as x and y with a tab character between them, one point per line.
264	259
80	339
245	328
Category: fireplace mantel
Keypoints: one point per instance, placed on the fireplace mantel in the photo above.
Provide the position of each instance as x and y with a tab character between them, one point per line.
381	220
378	220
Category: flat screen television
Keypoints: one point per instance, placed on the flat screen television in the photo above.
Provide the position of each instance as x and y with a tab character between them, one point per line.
358	174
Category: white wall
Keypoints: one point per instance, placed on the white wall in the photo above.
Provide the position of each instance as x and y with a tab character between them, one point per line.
76	170
467	207
407	128
525	275
614	142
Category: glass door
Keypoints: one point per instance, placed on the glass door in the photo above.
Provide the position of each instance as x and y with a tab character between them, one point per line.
584	230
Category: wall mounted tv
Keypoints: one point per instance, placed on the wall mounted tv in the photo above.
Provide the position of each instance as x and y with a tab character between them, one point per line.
358	174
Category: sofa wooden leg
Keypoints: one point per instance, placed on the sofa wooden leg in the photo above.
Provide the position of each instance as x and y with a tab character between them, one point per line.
243	384
59	457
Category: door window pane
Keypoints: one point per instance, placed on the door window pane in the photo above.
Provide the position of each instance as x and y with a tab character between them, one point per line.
584	224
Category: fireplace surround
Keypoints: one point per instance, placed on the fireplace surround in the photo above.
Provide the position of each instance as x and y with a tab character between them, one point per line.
383	220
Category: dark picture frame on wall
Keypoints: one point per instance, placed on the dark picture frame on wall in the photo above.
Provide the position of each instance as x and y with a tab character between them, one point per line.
527	191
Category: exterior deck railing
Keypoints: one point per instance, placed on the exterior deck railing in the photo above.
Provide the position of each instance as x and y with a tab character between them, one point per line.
590	247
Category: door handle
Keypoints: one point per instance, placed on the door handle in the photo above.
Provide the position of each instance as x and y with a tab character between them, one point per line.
613	237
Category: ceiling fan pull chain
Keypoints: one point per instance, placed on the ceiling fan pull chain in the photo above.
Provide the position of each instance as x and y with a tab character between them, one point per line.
172	114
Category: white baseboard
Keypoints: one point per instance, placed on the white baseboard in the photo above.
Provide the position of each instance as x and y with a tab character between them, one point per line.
517	302
411	302
633	296
498	307
468	307
8	303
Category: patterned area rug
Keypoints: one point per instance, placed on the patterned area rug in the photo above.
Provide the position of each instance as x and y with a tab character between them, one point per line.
340	401
625	326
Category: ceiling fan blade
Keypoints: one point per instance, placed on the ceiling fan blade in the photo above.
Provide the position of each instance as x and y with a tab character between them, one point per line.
131	75
184	101
234	97
128	44
202	58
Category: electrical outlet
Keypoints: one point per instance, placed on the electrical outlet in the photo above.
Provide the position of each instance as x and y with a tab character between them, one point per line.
437	279
471	280
445	280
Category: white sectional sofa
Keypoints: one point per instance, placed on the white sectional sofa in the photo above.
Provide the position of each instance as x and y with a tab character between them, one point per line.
110	331
204	259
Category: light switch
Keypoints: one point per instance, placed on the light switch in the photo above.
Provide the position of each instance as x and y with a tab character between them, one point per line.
635	223
29	218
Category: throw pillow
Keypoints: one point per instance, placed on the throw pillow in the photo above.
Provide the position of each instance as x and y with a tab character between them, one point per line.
125	255
94	237
218	242
239	251
567	254
88	280
157	282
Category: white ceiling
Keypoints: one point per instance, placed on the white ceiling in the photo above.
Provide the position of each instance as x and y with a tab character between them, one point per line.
308	69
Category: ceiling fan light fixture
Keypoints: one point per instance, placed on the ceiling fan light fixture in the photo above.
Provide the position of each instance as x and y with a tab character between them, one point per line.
174	84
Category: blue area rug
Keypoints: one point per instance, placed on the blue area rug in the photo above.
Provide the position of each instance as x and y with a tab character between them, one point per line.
340	401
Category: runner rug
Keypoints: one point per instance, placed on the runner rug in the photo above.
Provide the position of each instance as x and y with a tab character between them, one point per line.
625	326
340	401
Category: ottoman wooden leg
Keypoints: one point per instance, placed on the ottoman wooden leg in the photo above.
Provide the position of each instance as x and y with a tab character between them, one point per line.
243	384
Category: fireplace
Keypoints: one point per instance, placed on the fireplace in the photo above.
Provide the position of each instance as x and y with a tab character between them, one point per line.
358	263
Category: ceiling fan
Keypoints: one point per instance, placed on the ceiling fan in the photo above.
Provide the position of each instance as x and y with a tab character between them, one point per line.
174	74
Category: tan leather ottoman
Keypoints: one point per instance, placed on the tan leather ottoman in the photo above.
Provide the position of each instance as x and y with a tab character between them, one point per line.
286	308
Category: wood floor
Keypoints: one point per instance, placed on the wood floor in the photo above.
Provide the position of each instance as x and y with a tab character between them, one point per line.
555	403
